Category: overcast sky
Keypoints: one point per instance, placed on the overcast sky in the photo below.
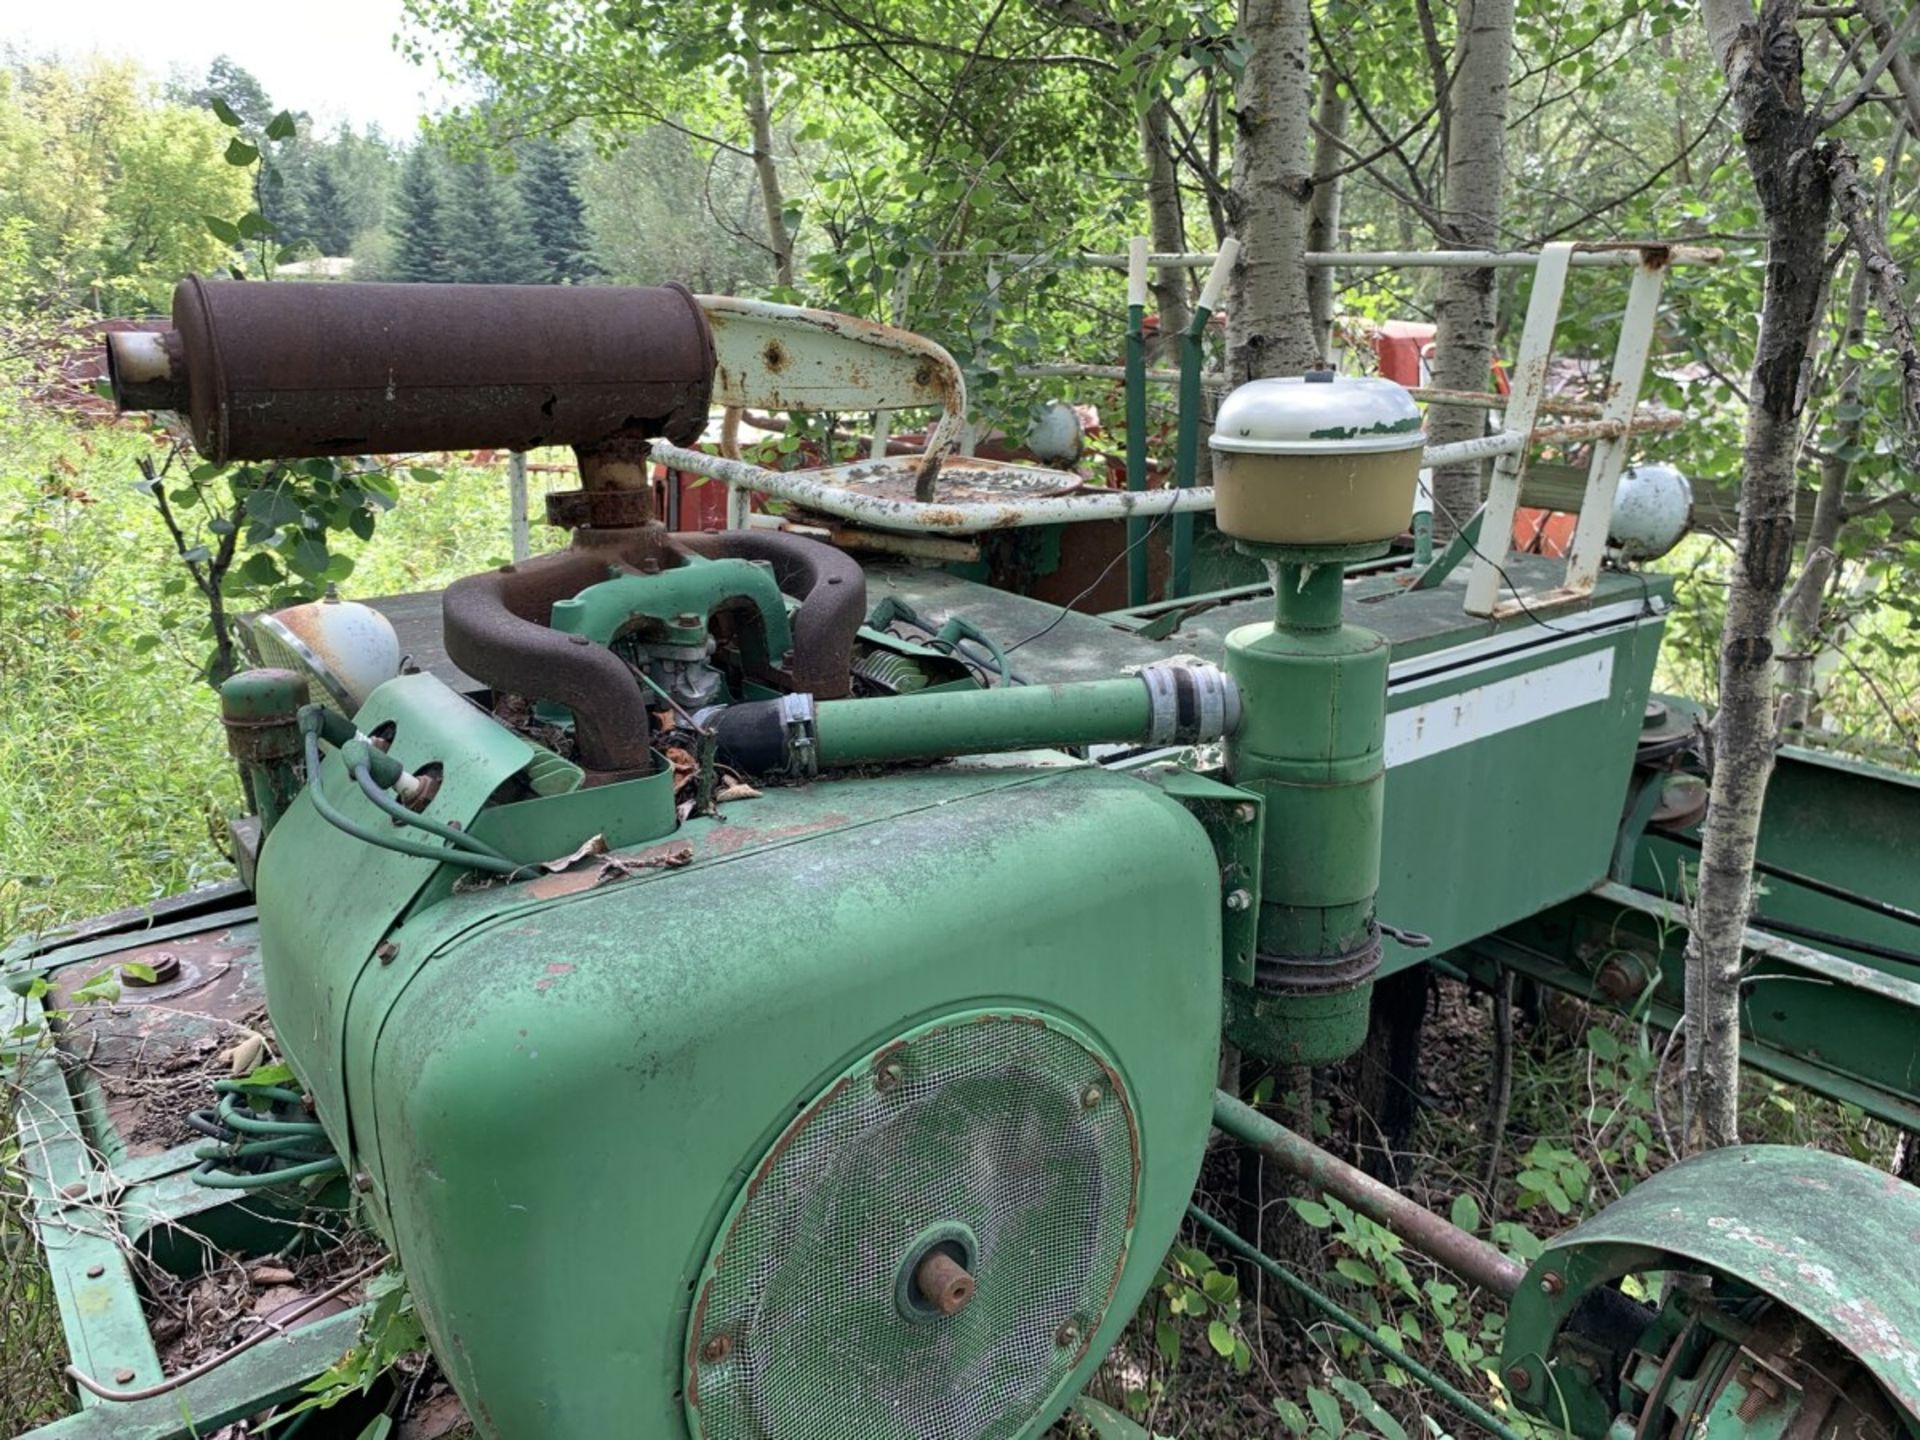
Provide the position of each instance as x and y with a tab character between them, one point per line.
335	59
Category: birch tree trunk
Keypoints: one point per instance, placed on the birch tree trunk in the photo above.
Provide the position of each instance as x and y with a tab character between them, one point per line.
1323	214
773	202
1800	611
1470	211
1760	55
1167	226
1269	328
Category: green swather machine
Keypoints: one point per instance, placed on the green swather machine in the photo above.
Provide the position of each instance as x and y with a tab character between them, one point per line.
756	994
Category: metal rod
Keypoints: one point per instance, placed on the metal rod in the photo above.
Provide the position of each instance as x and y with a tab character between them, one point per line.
816	490
521	540
1136	381
1892	953
1465	1404
1186	459
1626	253
1447	1243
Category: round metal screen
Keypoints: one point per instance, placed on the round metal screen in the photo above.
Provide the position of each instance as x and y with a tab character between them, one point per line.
1004	1139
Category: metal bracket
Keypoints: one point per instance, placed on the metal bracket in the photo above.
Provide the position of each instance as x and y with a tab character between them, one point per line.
1235	821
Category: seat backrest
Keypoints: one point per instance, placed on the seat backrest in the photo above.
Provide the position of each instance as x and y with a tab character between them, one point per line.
784	358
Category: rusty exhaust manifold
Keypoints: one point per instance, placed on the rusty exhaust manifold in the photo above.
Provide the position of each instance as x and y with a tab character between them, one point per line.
497	630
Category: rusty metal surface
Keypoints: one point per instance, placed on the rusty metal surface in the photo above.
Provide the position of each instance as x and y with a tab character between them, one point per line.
151	1056
1464	1254
325	369
599	509
1826	1236
498	629
961	479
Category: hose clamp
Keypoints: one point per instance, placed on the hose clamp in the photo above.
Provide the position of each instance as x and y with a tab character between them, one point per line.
799	723
1189	703
1163	703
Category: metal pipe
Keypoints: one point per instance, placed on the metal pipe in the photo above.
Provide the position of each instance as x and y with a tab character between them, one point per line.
1166	704
1464	1254
1186	461
1136	379
1599	254
807	489
941	517
1468	1407
1136	710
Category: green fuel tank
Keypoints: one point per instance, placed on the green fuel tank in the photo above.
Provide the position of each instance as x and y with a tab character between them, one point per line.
867	1107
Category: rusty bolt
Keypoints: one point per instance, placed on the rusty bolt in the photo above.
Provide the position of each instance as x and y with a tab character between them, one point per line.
717	1348
888	1076
1762	1390
1091	1096
1067	1334
1519	1378
123	1376
1238	900
386	950
686	620
1551	1283
1244	813
362	1181
944	1282
94	1272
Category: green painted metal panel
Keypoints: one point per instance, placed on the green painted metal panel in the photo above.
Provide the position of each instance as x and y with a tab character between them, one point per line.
320	886
577	1092
1826	1236
1489	822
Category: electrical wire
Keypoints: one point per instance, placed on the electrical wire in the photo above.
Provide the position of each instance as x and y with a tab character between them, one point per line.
1067	609
1519	597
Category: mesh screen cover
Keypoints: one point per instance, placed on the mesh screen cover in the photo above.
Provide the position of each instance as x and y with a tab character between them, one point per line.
1006	1127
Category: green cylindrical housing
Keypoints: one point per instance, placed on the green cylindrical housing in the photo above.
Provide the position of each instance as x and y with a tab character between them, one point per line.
1163	704
261	712
1312	743
963	722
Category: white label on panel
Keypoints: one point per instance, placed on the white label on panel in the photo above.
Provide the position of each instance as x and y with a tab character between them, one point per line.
1470	715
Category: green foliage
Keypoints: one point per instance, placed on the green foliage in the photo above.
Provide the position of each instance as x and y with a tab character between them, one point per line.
390	1332
102	188
1192	1300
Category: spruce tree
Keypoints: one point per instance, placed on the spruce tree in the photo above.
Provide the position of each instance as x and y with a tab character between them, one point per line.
420	239
329	226
550	189
488	240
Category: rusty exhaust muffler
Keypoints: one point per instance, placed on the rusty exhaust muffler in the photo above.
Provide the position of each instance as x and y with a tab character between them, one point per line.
273	371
